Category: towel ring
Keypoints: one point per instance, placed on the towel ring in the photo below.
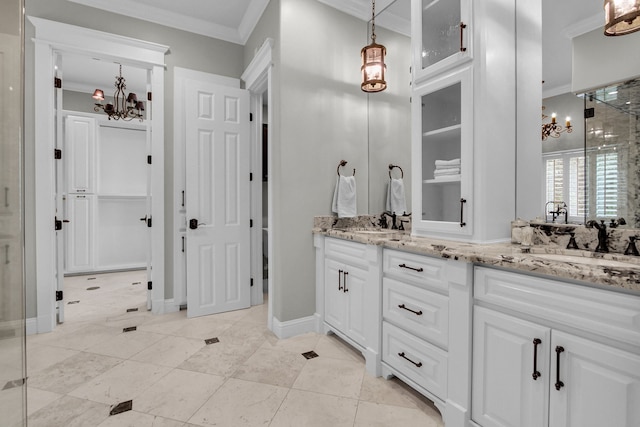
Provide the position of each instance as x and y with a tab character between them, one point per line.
343	163
391	166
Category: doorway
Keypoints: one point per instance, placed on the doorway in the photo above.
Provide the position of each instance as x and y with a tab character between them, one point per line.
52	40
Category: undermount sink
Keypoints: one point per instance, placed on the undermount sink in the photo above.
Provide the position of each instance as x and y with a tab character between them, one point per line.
602	262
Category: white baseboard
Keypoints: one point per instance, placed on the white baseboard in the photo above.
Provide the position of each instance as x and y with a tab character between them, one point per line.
294	327
32	326
170	306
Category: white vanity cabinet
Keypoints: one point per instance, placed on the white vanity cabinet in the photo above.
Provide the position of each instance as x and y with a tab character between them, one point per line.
426	328
344	287
348	294
547	353
463	119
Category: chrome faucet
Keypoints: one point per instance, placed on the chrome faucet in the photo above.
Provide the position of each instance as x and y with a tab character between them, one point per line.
602	234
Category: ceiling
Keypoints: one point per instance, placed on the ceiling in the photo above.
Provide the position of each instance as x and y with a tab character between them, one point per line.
234	20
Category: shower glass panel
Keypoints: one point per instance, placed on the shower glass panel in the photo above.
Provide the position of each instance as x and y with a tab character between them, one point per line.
12	307
612	136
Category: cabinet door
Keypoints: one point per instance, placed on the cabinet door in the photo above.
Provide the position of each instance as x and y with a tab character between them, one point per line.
334	295
442	31
504	392
354	282
442	155
79	154
80	232
600	385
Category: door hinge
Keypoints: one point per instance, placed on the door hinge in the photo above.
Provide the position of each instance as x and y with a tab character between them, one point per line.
57	153
250	223
57	83
589	113
252	282
149	285
149	96
59	295
149	221
57	224
149	159
250	176
250	117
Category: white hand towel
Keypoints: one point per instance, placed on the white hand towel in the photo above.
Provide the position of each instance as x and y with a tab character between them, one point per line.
344	197
444	164
396	201
448	171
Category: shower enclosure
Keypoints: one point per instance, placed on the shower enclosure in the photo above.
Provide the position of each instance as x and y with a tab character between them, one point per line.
12	307
612	137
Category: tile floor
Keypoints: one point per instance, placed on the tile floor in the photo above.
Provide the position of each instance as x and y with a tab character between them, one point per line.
79	372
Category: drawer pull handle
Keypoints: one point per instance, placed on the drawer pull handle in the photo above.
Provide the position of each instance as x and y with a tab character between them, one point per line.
339	279
417	313
559	384
345	282
535	374
419	270
419	364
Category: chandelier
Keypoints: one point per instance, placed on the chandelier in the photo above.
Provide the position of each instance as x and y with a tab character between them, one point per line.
373	66
125	108
621	17
553	129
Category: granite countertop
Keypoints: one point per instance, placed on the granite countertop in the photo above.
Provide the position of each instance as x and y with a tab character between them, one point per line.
617	271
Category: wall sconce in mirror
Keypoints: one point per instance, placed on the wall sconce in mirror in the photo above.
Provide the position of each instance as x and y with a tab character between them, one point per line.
123	107
373	66
553	129
621	17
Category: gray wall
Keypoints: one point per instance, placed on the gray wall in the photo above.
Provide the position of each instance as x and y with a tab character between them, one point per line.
186	50
599	60
322	117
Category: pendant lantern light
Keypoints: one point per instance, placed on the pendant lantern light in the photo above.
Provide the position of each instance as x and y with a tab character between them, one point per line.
373	66
621	17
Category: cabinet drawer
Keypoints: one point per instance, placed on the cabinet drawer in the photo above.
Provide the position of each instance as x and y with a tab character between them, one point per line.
345	251
418	360
417	269
419	311
607	313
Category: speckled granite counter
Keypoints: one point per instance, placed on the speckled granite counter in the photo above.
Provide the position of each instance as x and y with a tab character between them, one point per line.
609	270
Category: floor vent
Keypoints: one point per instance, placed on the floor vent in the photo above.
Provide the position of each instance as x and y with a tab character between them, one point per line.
73	302
121	407
129	310
93	288
136	283
211	341
310	354
130	329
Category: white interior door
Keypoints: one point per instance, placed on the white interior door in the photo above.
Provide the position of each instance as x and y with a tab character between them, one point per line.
217	198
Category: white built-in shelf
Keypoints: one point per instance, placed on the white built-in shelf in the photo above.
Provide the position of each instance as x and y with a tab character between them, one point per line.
443	134
443	180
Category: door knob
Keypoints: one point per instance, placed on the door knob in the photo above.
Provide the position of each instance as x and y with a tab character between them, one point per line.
193	223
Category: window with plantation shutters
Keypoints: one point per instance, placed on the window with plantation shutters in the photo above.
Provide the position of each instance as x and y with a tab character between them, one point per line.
609	186
565	181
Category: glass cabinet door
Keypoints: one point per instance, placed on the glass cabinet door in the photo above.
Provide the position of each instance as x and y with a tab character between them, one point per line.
441	34
445	150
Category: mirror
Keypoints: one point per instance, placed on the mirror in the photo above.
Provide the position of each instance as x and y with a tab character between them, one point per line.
592	167
389	112
612	152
